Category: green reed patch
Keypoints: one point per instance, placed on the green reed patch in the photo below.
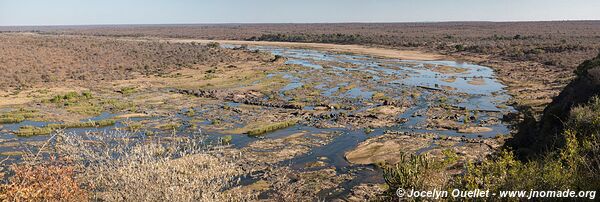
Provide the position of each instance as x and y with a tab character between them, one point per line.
272	127
17	116
27	131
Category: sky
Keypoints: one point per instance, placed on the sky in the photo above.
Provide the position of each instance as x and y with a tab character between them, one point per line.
91	12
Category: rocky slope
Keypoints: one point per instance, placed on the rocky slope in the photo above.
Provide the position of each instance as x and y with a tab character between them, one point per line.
546	134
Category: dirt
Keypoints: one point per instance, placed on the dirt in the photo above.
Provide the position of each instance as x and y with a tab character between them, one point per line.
354	49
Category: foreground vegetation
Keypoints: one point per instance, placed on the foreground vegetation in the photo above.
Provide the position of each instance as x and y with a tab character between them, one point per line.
563	151
576	166
114	167
27	131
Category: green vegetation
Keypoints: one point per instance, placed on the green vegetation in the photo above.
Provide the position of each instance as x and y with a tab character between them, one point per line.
379	96
88	124
215	122
459	47
118	105
27	131
78	103
227	139
412	171
17	116
450	157
12	153
170	126
340	38
127	90
190	112
575	166
346	88
84	108
71	97
213	45
467	117
271	127
133	126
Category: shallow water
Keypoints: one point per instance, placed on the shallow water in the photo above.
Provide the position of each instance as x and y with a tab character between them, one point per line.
388	75
486	96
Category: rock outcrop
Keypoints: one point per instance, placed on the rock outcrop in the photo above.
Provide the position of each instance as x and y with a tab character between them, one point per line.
546	134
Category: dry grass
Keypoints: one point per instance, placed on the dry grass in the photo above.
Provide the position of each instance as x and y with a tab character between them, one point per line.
27	131
120	167
115	167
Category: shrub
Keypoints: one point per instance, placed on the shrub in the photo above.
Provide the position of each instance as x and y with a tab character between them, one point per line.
459	47
586	119
71	97
127	90
417	172
117	167
227	139
213	45
51	181
574	166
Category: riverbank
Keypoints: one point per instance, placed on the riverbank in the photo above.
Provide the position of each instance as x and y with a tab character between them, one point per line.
298	114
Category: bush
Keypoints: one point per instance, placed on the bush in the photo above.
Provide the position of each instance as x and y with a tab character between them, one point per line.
71	97
459	47
51	181
575	166
116	167
417	172
127	90
213	45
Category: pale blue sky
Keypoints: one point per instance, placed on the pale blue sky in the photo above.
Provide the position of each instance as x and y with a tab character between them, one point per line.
78	12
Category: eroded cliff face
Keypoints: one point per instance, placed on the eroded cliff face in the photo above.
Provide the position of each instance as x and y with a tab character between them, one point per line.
537	137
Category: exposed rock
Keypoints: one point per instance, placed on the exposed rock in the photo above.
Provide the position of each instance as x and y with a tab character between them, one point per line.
376	151
367	192
547	134
389	147
475	130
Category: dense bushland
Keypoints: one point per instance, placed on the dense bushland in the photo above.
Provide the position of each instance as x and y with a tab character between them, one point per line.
555	44
32	59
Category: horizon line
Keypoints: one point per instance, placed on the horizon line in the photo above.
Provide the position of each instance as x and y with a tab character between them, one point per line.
282	23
